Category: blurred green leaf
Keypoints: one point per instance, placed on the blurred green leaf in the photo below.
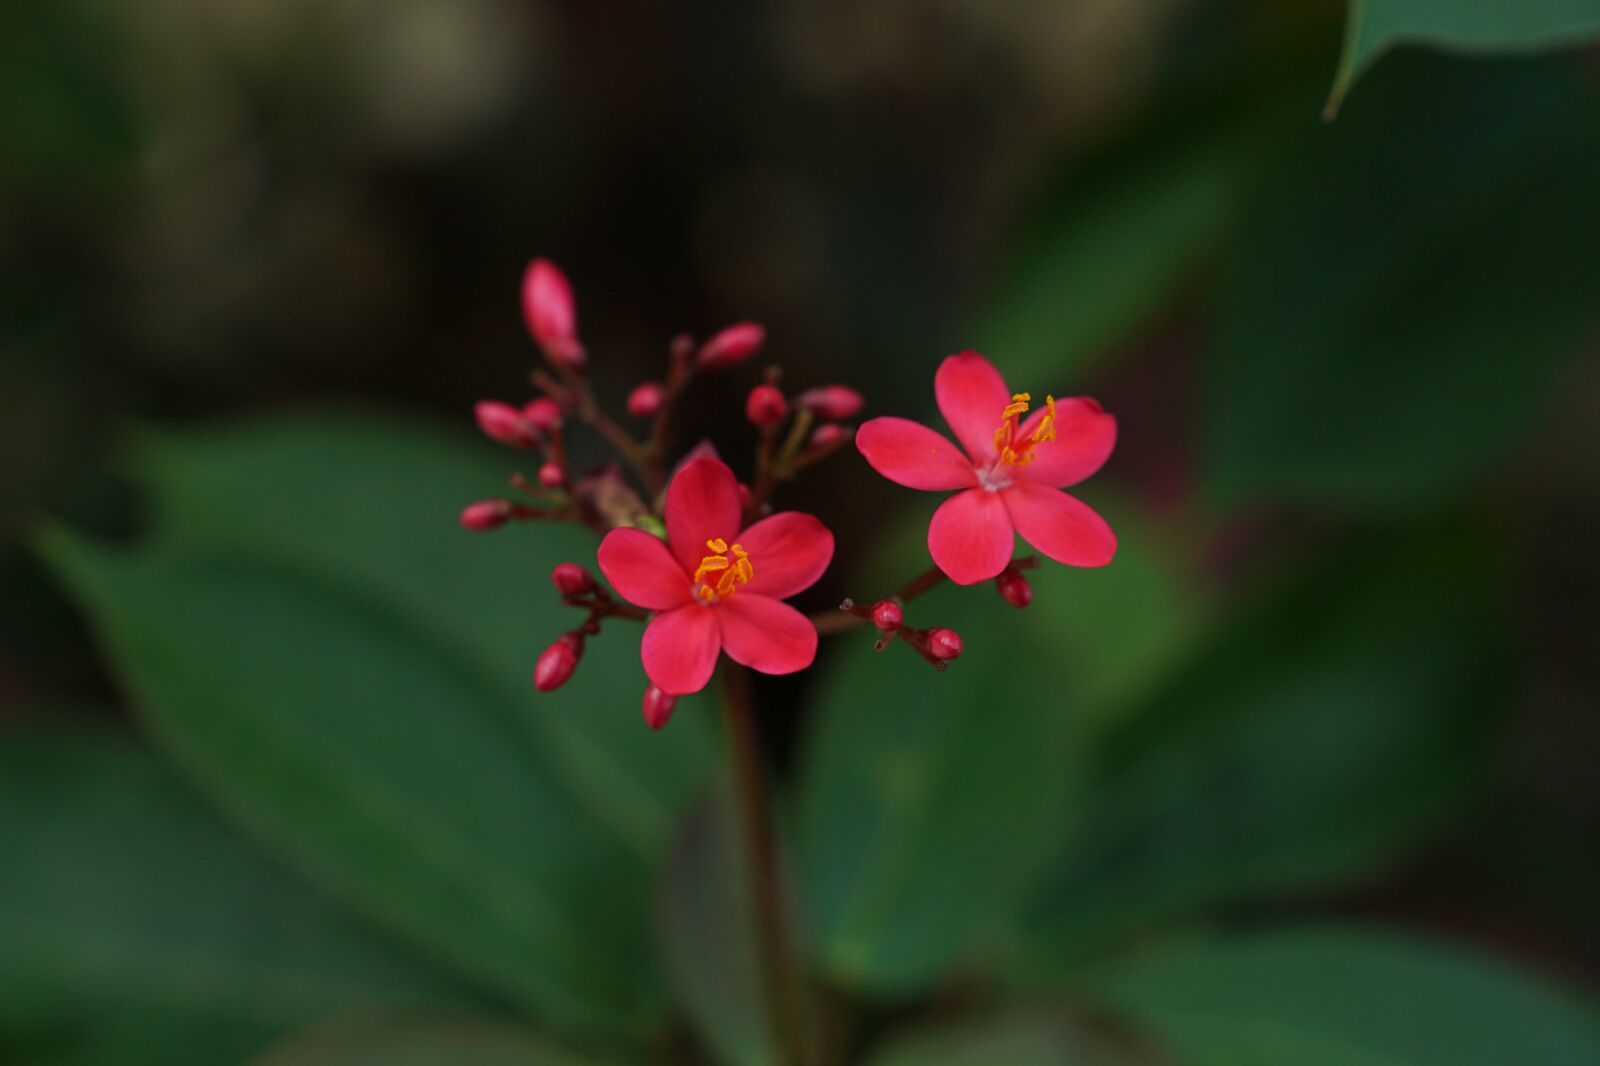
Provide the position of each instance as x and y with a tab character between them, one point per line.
1347	997
707	947
410	1041
1372	27
1408	286
1014	1040
130	914
385	764
372	501
925	797
1326	728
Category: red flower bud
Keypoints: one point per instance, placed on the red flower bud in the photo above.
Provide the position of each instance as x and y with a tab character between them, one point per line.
658	707
944	644
829	436
551	476
570	579
766	406
732	346
645	400
1013	587
557	662
831	402
886	615
548	310
745	496
543	414
503	423
485	514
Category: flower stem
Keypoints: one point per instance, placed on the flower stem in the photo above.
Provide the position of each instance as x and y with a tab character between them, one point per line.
782	985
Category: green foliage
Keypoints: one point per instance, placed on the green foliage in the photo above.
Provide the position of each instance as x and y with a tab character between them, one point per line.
412	1041
1372	27
1015	1040
1346	997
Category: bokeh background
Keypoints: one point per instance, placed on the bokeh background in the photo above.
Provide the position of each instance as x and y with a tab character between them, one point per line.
259	257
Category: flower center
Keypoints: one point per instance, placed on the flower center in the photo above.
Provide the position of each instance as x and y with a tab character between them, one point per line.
1015	449
719	572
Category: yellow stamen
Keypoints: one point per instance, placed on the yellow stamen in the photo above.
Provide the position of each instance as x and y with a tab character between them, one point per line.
735	571
1014	452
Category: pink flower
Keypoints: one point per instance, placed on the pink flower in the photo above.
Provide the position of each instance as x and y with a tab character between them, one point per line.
548	310
1010	474
715	587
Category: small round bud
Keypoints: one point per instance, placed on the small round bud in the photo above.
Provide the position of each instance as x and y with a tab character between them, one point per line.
886	615
551	476
645	400
485	514
745	496
557	662
503	423
548	310
829	436
570	579
1013	587
732	346
543	414
658	707
833	403
944	644
766	406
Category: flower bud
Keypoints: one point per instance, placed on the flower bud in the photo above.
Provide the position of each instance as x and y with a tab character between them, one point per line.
886	615
829	436
485	514
732	346
570	579
551	476
543	414
557	662
1013	587
548	310
944	644
833	403
503	423
658	707
766	406
745	496
645	400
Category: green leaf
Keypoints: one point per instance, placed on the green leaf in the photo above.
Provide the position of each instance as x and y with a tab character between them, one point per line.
385	764
707	946
1347	997
926	797
1014	1038
412	1041
372	501
133	920
1321	732
1374	26
1408	288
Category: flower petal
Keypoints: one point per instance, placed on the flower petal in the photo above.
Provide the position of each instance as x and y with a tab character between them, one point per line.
642	570
1063	527
910	454
971	537
766	635
680	649
972	396
1085	435
702	504
789	551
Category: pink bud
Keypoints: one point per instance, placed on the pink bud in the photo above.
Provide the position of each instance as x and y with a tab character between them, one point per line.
745	496
886	615
944	644
485	514
548	310
658	707
766	406
831	402
503	423
543	414
570	579
645	400
1013	587
557	662
829	436
732	346
551	476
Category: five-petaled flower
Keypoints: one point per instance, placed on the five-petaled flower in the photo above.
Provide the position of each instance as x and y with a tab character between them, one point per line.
1011	474
715	587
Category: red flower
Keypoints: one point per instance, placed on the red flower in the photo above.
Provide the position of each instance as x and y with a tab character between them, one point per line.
715	587
1011	473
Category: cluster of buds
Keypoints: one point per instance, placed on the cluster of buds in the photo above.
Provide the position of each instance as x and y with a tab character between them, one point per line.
795	435
577	588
